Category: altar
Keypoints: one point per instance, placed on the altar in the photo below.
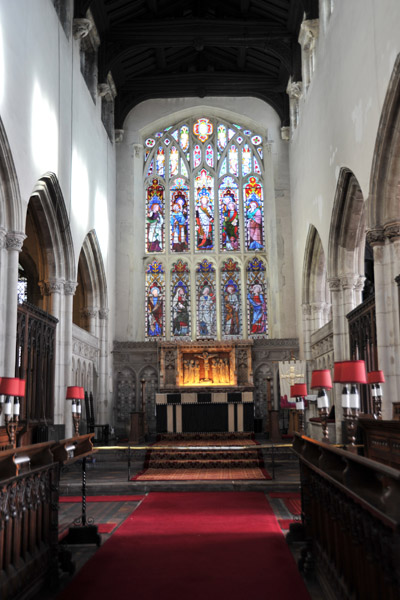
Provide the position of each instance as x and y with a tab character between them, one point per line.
205	387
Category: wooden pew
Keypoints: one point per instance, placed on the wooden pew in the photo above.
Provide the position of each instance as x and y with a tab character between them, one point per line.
351	520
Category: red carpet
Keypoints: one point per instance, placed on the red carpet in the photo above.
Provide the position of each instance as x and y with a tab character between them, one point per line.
286	523
193	546
102	498
292	501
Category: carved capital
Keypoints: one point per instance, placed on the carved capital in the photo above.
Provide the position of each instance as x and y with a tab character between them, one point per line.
103	89
89	312
352	282
138	150
309	31
334	284
14	240
359	284
103	313
376	237
285	133
294	90
51	286
306	308
81	28
70	287
118	135
392	231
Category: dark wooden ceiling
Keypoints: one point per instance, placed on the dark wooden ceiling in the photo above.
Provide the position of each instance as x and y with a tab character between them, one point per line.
197	48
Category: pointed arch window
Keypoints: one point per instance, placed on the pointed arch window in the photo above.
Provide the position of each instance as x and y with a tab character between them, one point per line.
155	301
205	196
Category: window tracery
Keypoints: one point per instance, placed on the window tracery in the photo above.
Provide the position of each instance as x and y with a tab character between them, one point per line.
205	196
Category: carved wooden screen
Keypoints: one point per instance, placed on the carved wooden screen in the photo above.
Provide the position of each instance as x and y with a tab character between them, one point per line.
362	331
35	351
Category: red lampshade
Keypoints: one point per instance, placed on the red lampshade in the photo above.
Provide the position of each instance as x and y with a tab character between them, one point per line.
353	371
75	392
22	386
298	390
10	386
321	378
376	377
337	371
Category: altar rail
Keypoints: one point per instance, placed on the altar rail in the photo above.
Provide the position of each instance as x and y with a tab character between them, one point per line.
351	518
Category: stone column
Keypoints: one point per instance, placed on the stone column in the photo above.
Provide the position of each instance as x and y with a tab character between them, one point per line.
386	247
3	294
104	410
65	378
340	347
307	331
14	243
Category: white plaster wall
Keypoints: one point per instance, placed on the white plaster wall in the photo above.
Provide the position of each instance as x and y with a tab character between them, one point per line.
340	114
52	124
142	121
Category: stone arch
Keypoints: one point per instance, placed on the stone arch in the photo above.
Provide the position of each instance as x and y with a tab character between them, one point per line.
11	210
49	215
347	230
383	220
91	294
384	197
316	301
315	288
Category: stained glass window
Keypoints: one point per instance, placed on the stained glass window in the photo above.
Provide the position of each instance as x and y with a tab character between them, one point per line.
173	161
180	212
233	161
189	166
184	137
155	217
210	155
206	301
231	309
204	191
196	155
246	160
229	214
221	137
256	299
155	300
254	218
160	160
180	301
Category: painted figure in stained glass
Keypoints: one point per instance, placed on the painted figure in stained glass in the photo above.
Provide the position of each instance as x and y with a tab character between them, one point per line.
229	220
207	312
155	312
258	310
155	218
254	215
179	221
231	309
180	310
204	212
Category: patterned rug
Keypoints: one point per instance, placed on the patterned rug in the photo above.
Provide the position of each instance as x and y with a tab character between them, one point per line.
207	457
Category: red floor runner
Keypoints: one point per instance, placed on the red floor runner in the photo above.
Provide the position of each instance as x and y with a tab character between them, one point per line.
197	546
